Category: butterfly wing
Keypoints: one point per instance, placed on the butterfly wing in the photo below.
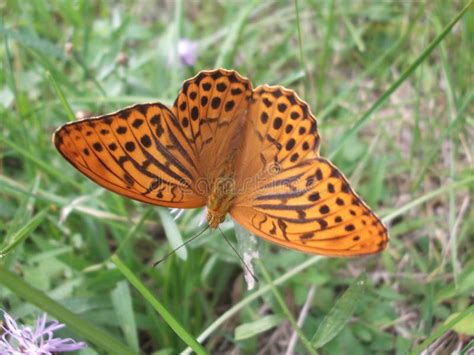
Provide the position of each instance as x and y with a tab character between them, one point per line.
311	207
161	156
211	108
279	132
140	152
291	196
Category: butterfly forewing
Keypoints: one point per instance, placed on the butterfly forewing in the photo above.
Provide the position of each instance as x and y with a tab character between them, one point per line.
211	109
139	152
279	133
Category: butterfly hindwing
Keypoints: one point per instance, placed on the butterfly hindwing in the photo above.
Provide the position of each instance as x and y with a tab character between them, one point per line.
311	207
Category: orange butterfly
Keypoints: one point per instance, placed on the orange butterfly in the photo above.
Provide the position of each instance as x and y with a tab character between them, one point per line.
253	153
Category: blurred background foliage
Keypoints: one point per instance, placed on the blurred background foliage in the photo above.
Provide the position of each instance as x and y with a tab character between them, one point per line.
341	56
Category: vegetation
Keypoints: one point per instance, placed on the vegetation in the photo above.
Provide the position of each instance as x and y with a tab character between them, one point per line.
391	84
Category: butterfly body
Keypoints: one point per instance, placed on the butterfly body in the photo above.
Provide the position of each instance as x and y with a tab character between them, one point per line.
220	200
252	153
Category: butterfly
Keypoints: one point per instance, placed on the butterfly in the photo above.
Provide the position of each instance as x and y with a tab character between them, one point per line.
250	153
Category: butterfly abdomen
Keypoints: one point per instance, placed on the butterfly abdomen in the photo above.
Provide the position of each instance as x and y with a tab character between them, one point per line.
222	193
220	199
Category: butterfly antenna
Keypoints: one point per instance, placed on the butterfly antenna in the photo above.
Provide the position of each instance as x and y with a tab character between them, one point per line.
182	245
241	259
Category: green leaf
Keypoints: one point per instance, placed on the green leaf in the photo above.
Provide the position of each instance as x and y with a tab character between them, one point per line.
465	286
464	326
250	329
341	313
122	301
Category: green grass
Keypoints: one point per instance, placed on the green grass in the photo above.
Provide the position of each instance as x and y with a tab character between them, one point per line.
391	86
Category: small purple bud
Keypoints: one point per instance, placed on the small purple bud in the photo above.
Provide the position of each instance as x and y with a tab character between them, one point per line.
187	51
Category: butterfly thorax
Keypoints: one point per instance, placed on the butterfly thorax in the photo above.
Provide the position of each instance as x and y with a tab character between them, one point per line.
222	194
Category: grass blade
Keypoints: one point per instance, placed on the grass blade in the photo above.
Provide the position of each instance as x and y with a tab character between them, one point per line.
39	162
173	233
21	234
363	119
442	329
122	301
248	330
70	114
253	296
401	210
153	301
83	328
286	311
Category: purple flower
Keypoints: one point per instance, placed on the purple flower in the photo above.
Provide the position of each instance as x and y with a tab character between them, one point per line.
20	339
187	51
